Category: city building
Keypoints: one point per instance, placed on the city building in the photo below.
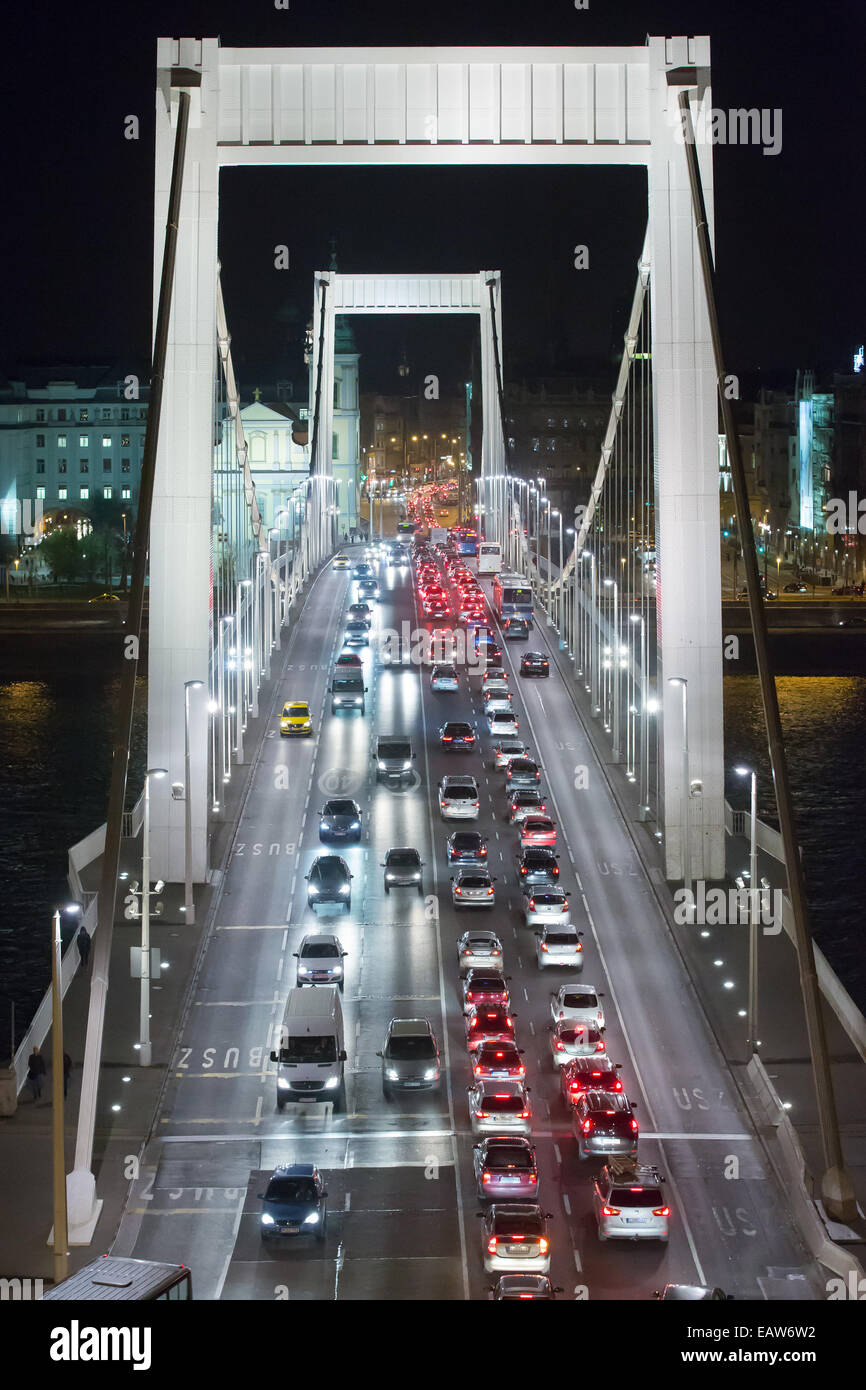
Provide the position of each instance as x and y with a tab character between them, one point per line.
554	429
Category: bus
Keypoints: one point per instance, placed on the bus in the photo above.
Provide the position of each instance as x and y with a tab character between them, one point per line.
489	557
125	1281
405	528
466	540
512	597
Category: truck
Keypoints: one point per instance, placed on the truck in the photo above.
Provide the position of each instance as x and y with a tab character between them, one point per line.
438	535
347	692
311	1054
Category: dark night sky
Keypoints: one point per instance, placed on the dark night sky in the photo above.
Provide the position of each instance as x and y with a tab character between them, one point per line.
76	234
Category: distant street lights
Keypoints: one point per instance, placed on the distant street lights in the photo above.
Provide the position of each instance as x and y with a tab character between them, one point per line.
144	1052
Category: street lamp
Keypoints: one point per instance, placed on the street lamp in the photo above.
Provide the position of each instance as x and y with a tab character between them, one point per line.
686	857
144	1054
189	909
57	1118
752	1013
614	665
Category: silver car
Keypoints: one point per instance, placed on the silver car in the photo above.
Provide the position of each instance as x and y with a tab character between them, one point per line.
560	946
479	950
497	704
505	1169
499	1107
603	1123
507	748
523	803
570	1039
546	907
458	798
473	888
410	1056
578	1004
356	634
628	1203
320	961
501	724
514	1237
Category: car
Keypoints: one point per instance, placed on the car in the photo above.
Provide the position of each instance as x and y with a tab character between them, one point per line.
440	649
505	1169
522	804
579	1074
443	511
329	881
544	905
691	1293
537	830
350	660
494	703
320	961
487	654
499	1107
459	798
578	1004
294	1203
570	1039
360	613
628	1203
603	1123
394	755
410	1056
362	570
340	820
444	678
538	865
488	1023
473	888
514	1235
468	612
394	651
341	562
501	723
105	598
296	719
356	634
504	749
852	622
523	1288
794	588
482	985
534	664
457	734
556	944
515	629
437	612
499	679
479	950
498	1061
367	589
521	772
466	847
403	869
476	617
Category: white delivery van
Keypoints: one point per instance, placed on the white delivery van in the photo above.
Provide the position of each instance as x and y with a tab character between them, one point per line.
311	1048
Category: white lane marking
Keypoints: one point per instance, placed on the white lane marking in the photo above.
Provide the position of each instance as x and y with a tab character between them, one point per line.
566	1203
347	1205
257	1120
578	1266
532	1027
557	1154
232	1244
525	995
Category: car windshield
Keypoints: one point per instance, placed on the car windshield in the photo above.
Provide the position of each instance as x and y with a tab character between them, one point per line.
394	750
322	950
474	881
509	1156
486	984
503	1104
444	672
580	1001
348	684
460	729
329	869
506	1223
522	765
291	1190
309	1048
561	938
631	1197
459	793
403	858
466	841
341	808
409	1048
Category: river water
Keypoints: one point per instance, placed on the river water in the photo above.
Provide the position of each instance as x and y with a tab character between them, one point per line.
55	764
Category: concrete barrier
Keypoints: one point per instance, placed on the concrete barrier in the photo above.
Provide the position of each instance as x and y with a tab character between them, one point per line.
788	1159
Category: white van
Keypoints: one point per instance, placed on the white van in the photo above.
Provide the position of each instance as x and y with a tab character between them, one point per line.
311	1048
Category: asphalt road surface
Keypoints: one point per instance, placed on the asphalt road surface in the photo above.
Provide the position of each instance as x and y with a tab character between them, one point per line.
402	1201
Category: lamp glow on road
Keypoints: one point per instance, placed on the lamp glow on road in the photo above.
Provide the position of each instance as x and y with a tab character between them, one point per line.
718	962
115	1107
652	706
705	933
741	1013
727	984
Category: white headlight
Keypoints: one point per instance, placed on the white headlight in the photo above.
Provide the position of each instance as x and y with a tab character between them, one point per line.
326	825
312	1219
312	888
302	970
331	1082
382	767
356	825
407	765
267	1219
282	1084
344	887
431	1074
391	1075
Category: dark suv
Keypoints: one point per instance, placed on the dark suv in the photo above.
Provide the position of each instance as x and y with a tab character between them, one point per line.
294	1203
603	1123
410	1056
329	881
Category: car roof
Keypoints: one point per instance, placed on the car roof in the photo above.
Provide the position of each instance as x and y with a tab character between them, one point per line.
460	781
489	1087
409	1027
295	1170
320	939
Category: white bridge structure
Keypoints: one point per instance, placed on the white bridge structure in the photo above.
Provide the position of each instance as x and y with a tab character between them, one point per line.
219	595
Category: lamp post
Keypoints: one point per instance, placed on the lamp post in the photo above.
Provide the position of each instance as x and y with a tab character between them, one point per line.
241	701
61	1233
187	805
752	1005
223	698
588	653
144	1054
614	665
685	850
549	568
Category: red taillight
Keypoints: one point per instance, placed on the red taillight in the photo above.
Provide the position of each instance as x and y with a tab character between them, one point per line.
634	1126
611	1211
661	1211
524	1114
487	1177
467	952
533	1177
477	1070
514	1238
587	1126
579	946
446	738
473	1022
459	892
616	1086
532	902
491	1245
544	946
544	1245
481	1115
599	1047
560	1045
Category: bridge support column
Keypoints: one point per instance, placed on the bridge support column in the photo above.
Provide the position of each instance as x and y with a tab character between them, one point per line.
687	483
492	442
180	610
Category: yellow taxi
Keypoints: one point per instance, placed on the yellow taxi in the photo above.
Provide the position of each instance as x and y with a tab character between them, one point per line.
341	561
295	718
104	598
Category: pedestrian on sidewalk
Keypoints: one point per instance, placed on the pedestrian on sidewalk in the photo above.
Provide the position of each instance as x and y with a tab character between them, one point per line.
35	1073
83	946
67	1068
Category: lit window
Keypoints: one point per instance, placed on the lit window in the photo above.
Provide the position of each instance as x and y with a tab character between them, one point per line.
126	493
40	441
40	493
106	441
61	493
124	441
61	441
84	493
83	441
106	492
